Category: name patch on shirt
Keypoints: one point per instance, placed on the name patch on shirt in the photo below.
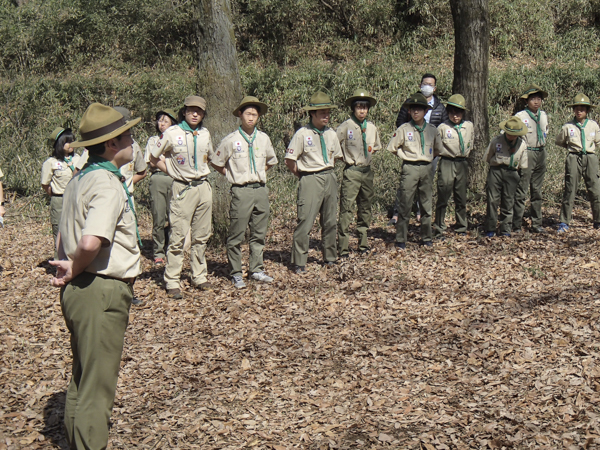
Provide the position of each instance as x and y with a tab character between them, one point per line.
180	159
350	134
409	136
237	146
179	140
309	141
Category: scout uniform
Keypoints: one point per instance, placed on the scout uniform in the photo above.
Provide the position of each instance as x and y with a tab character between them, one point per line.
96	303
160	193
57	174
246	158
506	159
186	153
453	172
581	140
532	178
1	198
416	146
315	153
137	165
358	142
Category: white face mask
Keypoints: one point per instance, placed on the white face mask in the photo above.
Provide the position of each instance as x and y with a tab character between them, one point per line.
427	90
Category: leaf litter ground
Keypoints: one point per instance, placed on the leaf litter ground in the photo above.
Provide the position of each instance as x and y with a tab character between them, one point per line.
474	343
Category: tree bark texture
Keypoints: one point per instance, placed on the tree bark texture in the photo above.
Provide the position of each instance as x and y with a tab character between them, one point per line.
219	75
471	57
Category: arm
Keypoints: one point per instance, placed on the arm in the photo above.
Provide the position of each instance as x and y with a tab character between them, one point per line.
221	170
292	166
47	189
158	162
87	249
561	137
1	200
139	177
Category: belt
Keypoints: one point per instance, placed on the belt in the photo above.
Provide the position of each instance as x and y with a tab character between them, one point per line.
57	195
250	185
536	149
160	172
324	171
106	277
581	153
363	169
417	163
503	167
457	159
192	183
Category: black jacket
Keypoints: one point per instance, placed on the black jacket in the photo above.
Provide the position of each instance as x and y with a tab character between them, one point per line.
438	114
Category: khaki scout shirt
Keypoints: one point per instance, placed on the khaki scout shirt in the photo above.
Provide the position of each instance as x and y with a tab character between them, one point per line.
58	173
350	137
305	149
1	174
178	147
406	143
233	154
149	146
95	204
531	137
136	165
451	142
498	153
570	137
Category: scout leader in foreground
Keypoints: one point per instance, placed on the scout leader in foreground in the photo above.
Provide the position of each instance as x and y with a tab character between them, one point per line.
100	258
359	139
310	156
186	147
416	143
244	157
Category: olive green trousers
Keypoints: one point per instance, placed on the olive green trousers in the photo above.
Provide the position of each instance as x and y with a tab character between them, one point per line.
415	180
56	204
577	166
532	180
452	179
160	195
501	188
357	187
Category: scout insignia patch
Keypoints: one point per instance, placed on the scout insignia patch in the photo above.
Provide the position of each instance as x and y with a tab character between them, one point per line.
350	134
158	144
430	150
526	122
219	153
309	141
409	136
394	135
571	132
237	146
290	151
179	140
370	149
449	134
498	148
59	166
180	159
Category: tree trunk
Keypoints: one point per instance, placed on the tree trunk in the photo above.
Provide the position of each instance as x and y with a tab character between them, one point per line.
471	55
218	74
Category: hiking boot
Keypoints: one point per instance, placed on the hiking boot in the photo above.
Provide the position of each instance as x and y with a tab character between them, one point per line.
238	282
261	276
427	243
300	269
400	245
538	229
175	293
504	234
136	301
490	234
596	225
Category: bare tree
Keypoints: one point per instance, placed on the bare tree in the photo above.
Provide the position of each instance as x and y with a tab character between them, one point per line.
471	56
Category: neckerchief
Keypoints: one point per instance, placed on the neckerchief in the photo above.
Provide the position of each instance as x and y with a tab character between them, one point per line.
460	138
186	127
512	148
421	131
582	129
536	117
250	143
95	162
323	147
363	130
68	160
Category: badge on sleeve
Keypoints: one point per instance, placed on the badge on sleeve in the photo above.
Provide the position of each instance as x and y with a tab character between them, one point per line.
370	149
571	132
409	136
394	135
309	141
237	146
219	153
449	134
290	151
180	160
350	134
205	158
498	148
179	140
158	144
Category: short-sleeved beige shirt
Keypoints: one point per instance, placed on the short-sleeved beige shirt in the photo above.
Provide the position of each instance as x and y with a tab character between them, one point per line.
406	143
95	204
531	138
349	134
451	142
570	137
233	154
58	173
136	165
498	153
149	146
178	147
1	174
305	149
82	159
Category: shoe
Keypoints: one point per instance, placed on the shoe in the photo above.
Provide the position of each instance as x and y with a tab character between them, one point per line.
136	301
596	225
238	282
329	263
159	261
490	234
344	256
175	293
261	276
400	245
563	227
538	230
364	251
300	269
462	233
427	243
504	234
206	286
393	220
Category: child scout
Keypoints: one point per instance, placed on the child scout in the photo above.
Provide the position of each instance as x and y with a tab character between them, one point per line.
506	155
532	177
310	156
416	143
456	135
244	157
580	137
359	140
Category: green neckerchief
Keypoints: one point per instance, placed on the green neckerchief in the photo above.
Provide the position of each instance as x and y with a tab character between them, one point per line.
323	147
460	138
363	130
536	117
186	127
95	162
421	131
68	160
250	143
582	128
512	149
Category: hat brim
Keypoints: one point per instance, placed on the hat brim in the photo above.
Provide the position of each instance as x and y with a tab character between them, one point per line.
456	105
166	113
107	136
262	108
582	104
523	131
409	104
362	98
537	91
316	108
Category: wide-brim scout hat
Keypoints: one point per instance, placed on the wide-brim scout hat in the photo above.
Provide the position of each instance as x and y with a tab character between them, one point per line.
457	101
417	99
101	123
514	126
363	96
581	100
169	112
195	100
533	89
319	100
251	101
55	135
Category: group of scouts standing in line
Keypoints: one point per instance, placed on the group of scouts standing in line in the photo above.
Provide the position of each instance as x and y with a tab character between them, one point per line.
95	225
